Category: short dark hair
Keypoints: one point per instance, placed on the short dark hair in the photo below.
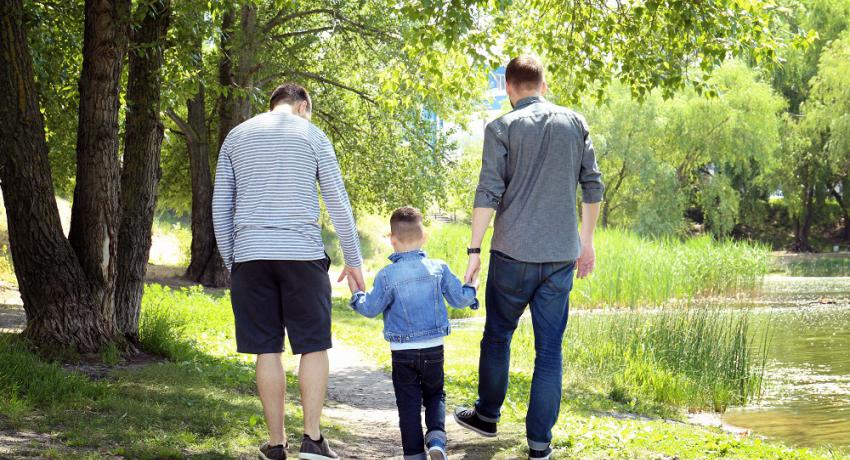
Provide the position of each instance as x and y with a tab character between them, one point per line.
406	224
524	71
290	93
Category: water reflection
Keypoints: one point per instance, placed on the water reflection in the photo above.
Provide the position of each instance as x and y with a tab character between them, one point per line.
807	393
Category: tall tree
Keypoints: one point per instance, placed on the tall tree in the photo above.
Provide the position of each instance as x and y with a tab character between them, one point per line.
803	174
827	119
67	285
143	134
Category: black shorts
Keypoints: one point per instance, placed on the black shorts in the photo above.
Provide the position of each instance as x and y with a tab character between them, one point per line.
270	296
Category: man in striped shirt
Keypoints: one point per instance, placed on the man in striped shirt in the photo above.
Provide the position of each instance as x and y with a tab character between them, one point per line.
266	218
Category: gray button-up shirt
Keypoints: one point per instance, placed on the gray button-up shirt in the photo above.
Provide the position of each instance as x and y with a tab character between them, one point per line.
535	157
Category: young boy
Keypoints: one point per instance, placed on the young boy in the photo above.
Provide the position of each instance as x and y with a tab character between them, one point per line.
409	292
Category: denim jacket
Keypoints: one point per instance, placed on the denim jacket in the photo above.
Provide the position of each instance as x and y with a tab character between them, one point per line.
409	292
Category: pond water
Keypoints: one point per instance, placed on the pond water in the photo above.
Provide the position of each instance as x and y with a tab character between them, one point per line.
806	399
807	378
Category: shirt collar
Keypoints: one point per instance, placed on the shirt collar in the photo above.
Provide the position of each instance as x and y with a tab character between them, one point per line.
396	256
526	101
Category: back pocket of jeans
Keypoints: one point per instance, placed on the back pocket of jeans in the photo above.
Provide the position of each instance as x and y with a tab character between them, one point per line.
404	372
508	274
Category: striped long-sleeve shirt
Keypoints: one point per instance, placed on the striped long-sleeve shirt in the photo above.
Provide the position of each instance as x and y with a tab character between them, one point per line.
265	202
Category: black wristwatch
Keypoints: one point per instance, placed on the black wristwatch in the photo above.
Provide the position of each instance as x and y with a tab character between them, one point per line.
473	251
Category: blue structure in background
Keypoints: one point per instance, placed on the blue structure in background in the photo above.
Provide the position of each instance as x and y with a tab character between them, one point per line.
496	94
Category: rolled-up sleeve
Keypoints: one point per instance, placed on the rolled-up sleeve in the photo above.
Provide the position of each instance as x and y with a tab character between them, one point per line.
590	177
223	206
491	181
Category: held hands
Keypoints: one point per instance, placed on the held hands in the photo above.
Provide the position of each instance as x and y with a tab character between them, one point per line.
472	270
586	261
354	276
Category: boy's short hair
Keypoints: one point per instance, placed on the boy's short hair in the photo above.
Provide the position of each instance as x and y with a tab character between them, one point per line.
406	224
524	72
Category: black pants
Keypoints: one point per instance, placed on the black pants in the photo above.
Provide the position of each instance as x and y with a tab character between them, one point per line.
418	381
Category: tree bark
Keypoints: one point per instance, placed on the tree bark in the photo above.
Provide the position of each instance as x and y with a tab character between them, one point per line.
234	107
235	104
225	77
66	286
95	214
206	265
141	170
804	224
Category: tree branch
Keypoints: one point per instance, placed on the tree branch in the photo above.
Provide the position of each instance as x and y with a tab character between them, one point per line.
321	79
184	126
301	32
281	18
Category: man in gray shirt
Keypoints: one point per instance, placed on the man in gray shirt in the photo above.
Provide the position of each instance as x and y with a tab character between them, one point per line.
535	157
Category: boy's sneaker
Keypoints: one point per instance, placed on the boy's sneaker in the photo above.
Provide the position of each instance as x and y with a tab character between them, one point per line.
540	454
468	418
316	450
277	452
437	450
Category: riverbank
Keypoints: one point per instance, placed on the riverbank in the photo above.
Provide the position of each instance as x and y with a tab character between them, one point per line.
200	403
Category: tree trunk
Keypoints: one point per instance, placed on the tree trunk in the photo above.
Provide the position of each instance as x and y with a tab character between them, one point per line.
95	215
141	170
804	224
225	77
844	205
206	266
66	286
235	104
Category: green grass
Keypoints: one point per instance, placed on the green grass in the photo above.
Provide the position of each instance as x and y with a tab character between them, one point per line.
813	265
662	383
632	271
201	402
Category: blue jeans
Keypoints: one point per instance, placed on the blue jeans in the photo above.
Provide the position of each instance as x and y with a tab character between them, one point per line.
511	286
418	381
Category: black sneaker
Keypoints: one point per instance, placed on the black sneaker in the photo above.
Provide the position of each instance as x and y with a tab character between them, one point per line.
540	454
277	452
316	450
468	418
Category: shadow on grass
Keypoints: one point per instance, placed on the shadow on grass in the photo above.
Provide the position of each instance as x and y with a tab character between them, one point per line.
203	407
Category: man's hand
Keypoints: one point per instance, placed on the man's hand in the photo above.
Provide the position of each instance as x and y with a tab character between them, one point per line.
355	278
472	270
352	285
586	261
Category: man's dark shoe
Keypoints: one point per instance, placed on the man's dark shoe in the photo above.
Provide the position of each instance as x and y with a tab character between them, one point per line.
277	452
468	418
540	454
316	450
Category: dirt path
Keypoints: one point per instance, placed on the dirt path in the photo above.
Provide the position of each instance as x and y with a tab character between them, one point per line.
361	400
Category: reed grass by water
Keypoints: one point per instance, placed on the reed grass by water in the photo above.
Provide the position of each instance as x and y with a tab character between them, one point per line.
699	358
633	271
